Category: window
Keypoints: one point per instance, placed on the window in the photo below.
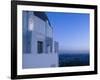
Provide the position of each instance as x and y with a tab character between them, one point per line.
40	47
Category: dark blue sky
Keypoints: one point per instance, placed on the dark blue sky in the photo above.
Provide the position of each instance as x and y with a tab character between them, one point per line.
71	30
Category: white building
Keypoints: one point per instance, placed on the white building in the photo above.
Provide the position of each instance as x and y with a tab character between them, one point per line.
39	49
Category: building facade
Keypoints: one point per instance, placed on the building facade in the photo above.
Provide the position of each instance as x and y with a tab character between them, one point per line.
39	48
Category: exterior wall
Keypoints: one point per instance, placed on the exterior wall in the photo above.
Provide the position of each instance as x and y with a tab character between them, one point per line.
40	60
27	34
39	26
41	31
56	47
49	30
49	45
30	21
25	22
49	38
38	34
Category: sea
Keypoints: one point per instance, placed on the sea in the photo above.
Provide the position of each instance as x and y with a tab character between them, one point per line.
74	59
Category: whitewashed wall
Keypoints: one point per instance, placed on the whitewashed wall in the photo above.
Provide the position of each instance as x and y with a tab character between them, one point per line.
49	30
39	25
38	33
35	60
40	61
31	21
41	30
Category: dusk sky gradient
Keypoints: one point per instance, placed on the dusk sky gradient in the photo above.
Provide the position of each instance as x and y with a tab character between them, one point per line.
71	30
